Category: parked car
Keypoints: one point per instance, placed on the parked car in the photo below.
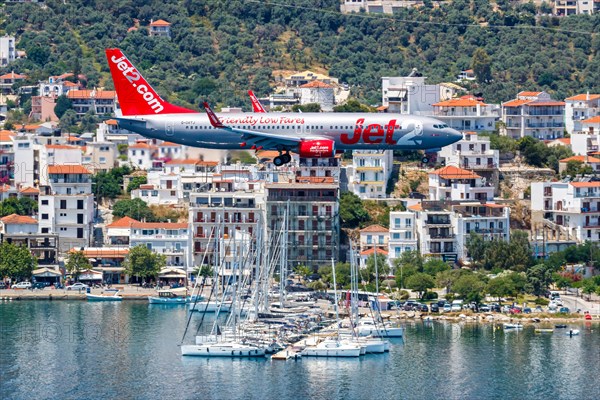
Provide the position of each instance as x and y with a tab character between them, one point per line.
527	310
3	285
456	305
21	285
516	310
563	310
495	307
39	285
423	308
484	308
77	286
447	307
434	307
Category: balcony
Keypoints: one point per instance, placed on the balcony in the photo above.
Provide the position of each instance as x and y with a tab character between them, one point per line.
438	221
544	125
440	236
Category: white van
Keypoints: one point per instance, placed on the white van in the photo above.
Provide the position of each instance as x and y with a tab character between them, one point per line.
456	305
554	295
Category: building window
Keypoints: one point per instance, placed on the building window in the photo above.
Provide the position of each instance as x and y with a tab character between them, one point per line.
44	202
63	204
80	204
44	216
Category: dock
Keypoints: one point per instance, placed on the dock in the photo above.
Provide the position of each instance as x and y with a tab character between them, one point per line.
286	354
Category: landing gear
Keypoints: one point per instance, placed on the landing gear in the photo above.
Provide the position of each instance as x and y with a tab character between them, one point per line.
282	159
425	160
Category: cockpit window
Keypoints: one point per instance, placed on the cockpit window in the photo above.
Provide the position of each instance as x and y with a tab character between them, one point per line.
440	126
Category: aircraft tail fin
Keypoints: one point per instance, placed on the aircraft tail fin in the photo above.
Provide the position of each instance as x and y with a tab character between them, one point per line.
136	96
256	106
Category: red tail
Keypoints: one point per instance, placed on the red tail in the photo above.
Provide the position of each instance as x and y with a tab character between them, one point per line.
136	96
212	117
256	106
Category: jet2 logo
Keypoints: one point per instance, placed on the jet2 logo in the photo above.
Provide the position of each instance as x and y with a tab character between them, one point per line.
132	75
371	134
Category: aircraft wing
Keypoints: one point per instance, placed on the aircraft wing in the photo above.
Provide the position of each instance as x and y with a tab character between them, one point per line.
257	139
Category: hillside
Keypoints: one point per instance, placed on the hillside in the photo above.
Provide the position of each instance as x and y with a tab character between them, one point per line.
219	49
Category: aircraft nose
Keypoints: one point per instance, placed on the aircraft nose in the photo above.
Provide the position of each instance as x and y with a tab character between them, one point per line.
454	135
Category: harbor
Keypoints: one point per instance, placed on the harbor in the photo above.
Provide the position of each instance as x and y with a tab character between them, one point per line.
84	349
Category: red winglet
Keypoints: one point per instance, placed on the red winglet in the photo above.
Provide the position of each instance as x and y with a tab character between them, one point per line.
214	120
256	106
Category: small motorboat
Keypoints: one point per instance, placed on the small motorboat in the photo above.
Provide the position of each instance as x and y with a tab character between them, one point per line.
513	326
100	297
560	326
171	297
544	330
572	332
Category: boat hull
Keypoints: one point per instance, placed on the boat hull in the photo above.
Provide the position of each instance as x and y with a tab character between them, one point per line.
222	350
169	301
93	297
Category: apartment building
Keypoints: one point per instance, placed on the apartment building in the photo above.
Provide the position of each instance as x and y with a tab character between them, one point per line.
26	165
370	173
579	108
564	8
99	156
586	141
22	230
309	214
66	205
533	114
100	102
453	183
466	113
8	80
161	189
402	234
382	6
57	154
8	52
142	155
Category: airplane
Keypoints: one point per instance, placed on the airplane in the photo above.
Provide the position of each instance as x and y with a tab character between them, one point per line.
311	135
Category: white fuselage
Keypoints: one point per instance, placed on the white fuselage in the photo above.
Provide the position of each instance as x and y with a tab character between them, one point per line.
346	130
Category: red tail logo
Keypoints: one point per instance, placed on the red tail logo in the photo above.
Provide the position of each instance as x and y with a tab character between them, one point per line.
214	120
256	106
136	96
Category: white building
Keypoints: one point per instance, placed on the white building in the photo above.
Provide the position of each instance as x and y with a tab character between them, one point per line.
533	114
564	8
24	173
142	155
162	188
587	140
457	184
409	95
403	235
66	205
573	208
382	6
370	172
473	152
57	154
168	150
118	233
318	92
579	108
8	52
466	113
100	156
168	238
100	102
109	131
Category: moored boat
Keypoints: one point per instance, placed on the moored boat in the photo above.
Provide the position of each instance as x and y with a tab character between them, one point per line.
508	326
99	297
172	297
223	349
544	330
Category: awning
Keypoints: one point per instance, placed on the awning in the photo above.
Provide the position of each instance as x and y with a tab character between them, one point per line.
90	275
172	273
46	272
111	269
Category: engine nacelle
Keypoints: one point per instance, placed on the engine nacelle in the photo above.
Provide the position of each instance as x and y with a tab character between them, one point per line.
321	148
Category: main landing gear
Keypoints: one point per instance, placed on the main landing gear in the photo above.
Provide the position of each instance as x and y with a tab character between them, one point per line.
282	159
425	160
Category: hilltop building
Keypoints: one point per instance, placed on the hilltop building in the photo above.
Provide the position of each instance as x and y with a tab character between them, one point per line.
99	101
160	28
586	141
457	184
564	8
382	6
466	113
533	114
8	53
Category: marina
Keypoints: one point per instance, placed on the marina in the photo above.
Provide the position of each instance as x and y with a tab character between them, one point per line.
65	342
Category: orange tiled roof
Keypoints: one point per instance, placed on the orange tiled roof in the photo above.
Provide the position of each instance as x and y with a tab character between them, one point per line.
464	101
584	97
5	136
73	139
315	179
141	145
316	84
566	141
160	22
374	228
593	120
12	75
583	159
169	144
494	205
528	94
124	222
160	225
370	251
585	184
515	103
452	172
147	187
546	103
180	161
32	127
67	169
61	147
29	190
416	207
89	94
18	219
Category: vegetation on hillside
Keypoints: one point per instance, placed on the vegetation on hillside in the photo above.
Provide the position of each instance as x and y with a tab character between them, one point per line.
220	49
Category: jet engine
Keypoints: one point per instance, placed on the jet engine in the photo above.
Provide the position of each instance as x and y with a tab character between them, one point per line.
321	148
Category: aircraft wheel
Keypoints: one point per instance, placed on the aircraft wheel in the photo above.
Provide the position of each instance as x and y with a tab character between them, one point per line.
425	160
286	158
278	161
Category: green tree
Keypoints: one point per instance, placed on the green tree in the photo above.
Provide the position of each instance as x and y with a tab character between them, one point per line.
133	208
420	282
588	286
352	210
447	278
539	277
16	262
63	103
68	121
476	247
435	266
469	287
352	105
21	206
77	262
501	286
136	182
143	263
105	186
481	65
383	268
310	107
